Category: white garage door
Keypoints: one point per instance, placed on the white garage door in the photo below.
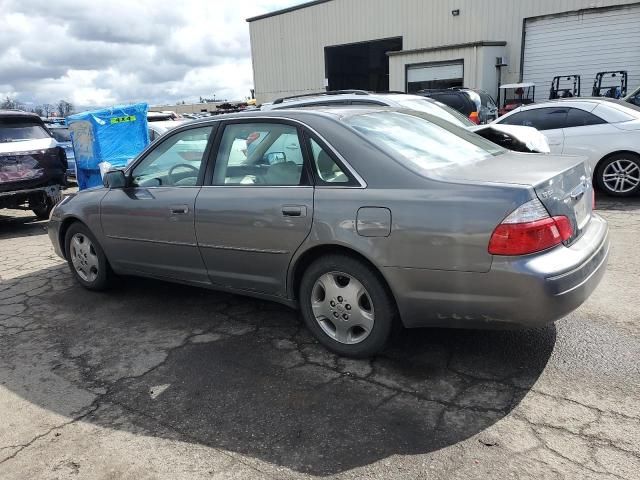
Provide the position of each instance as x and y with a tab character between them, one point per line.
582	44
427	73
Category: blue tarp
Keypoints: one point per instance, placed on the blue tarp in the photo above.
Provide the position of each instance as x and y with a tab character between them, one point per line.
114	135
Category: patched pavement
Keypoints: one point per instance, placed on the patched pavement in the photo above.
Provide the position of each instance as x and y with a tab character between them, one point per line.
153	380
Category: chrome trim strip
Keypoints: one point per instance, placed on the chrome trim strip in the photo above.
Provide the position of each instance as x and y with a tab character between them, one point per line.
245	249
160	242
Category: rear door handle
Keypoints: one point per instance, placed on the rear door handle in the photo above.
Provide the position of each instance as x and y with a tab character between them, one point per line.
294	210
179	209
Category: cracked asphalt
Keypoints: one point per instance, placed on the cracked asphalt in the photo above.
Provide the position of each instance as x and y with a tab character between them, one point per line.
153	380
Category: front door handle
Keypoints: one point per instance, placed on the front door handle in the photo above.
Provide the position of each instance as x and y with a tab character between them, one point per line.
179	209
294	210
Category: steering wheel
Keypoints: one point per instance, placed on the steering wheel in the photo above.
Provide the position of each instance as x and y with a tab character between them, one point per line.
186	165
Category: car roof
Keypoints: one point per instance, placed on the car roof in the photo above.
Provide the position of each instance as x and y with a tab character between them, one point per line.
336	112
389	97
578	102
19	113
167	124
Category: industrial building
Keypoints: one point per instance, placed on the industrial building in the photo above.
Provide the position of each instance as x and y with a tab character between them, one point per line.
408	45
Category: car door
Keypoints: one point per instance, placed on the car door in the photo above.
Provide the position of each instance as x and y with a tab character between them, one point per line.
149	224
549	120
587	134
257	208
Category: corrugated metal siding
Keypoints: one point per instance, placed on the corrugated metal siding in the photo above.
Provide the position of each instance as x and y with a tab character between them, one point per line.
583	45
288	49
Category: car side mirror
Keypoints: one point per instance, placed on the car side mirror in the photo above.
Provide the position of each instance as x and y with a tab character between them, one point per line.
115	179
275	157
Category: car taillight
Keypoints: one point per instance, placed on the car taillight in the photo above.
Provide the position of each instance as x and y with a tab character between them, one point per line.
475	118
529	229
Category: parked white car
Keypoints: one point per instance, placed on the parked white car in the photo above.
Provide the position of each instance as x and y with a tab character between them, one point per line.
157	129
606	131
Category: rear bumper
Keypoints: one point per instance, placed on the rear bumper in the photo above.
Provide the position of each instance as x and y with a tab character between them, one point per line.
528	291
15	198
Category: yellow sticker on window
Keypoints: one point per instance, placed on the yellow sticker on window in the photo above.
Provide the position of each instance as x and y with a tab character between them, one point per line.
128	118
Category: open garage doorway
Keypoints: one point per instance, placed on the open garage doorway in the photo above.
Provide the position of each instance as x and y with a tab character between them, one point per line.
360	66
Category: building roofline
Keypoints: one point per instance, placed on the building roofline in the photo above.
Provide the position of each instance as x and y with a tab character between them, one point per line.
287	10
483	43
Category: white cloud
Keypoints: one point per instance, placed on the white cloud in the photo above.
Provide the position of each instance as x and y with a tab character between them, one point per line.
99	53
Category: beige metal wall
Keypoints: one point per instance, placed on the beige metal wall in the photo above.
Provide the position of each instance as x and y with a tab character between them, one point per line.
288	49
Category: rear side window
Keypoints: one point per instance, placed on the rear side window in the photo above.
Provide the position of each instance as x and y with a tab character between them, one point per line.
61	134
326	168
422	142
540	118
580	118
486	100
19	130
455	101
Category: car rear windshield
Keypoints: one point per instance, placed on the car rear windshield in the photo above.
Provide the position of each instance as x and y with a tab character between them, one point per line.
18	130
439	110
61	134
422	142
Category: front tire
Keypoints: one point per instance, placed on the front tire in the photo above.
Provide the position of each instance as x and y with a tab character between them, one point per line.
346	306
86	258
43	211
619	175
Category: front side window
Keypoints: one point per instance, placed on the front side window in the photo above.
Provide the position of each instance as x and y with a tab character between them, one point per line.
175	161
540	118
259	154
423	142
327	169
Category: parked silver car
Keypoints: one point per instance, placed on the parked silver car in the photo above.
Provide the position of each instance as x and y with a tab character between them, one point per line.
512	137
362	217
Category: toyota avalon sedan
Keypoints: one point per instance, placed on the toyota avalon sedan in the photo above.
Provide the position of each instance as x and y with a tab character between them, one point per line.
362	218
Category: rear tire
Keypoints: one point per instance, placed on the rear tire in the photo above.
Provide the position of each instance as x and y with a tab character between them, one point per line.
346	306
619	175
86	259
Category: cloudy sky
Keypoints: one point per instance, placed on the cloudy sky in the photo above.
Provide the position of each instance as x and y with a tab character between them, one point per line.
98	53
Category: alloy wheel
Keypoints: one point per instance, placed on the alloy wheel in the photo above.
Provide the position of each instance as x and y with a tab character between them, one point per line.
621	176
342	307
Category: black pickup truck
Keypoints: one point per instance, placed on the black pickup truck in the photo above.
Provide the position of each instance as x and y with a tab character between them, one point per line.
32	165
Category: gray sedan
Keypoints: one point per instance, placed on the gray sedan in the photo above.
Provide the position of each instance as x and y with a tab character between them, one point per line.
363	218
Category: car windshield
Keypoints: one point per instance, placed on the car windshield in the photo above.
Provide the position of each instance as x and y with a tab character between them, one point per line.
61	134
20	130
439	110
422	142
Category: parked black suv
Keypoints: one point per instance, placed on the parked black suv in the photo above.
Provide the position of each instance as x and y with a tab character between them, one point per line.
477	105
32	165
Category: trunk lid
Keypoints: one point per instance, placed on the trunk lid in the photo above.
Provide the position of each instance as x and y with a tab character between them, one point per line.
561	183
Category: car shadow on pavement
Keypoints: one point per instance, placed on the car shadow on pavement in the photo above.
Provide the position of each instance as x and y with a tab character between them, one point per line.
21	226
244	376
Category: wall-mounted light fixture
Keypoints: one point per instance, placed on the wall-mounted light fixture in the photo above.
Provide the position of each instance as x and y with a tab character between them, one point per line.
455	12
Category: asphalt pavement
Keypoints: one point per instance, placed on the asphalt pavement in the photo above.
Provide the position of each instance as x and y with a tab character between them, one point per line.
155	380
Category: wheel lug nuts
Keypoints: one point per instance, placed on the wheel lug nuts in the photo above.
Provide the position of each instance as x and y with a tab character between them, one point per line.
340	299
333	304
348	307
345	316
335	314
